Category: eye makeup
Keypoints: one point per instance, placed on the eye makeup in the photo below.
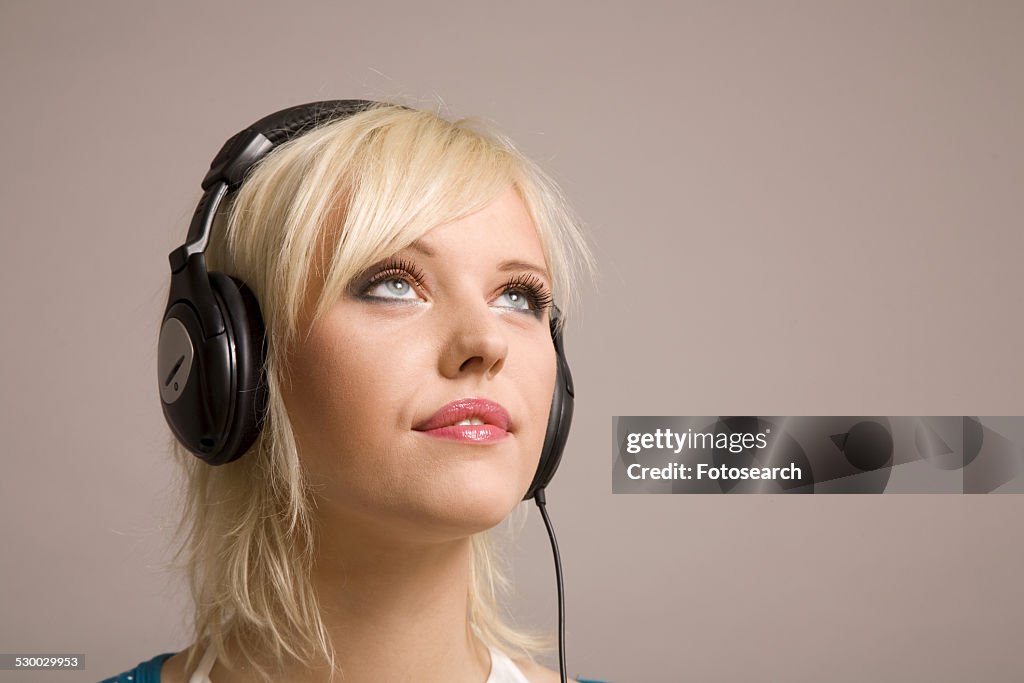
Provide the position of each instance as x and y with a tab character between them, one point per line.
537	295
526	288
393	268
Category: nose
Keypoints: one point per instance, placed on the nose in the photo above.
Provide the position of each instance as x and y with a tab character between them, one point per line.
475	343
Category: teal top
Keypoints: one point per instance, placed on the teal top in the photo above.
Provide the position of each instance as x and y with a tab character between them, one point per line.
146	672
149	672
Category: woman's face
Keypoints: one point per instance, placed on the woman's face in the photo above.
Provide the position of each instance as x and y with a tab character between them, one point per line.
452	329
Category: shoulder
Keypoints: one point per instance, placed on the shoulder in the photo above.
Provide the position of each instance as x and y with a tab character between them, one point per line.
173	670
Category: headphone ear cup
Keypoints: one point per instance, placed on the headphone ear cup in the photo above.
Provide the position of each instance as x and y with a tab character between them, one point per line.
211	352
245	390
559	418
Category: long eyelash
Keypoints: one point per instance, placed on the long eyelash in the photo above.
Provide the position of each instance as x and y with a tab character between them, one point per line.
387	270
537	294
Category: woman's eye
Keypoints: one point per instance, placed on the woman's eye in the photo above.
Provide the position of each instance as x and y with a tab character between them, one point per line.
525	293
392	288
515	299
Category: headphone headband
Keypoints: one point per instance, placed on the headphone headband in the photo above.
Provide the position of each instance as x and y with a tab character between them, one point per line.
245	149
241	152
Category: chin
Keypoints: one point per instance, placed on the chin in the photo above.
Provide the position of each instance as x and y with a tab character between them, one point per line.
475	506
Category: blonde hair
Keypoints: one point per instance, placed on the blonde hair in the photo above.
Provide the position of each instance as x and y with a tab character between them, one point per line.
317	211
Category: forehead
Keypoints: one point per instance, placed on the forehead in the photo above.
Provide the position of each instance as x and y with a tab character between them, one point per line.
500	233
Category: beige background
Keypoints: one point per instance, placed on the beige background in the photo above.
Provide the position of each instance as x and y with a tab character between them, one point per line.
798	208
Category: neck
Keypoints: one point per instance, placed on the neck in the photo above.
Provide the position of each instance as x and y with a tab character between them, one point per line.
395	610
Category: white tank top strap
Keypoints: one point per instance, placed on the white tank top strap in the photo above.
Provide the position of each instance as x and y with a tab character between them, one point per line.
503	669
205	666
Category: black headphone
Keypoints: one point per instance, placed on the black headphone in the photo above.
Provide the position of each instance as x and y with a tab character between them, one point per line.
212	348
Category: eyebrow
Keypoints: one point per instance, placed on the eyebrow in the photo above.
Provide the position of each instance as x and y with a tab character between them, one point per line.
504	266
523	265
420	247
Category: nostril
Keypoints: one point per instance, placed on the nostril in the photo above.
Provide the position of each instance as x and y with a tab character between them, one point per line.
478	363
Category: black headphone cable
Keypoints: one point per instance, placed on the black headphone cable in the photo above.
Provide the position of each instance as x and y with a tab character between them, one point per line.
542	503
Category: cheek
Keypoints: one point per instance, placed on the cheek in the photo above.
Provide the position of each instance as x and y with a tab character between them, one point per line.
342	401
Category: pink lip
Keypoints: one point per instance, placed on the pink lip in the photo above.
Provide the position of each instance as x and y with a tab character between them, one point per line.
443	423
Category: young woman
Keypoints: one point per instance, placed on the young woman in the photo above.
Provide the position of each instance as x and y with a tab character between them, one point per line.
400	273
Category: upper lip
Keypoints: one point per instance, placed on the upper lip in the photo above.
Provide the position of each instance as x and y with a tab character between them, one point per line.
461	409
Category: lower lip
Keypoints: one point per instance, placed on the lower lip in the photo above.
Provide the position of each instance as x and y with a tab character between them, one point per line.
469	433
